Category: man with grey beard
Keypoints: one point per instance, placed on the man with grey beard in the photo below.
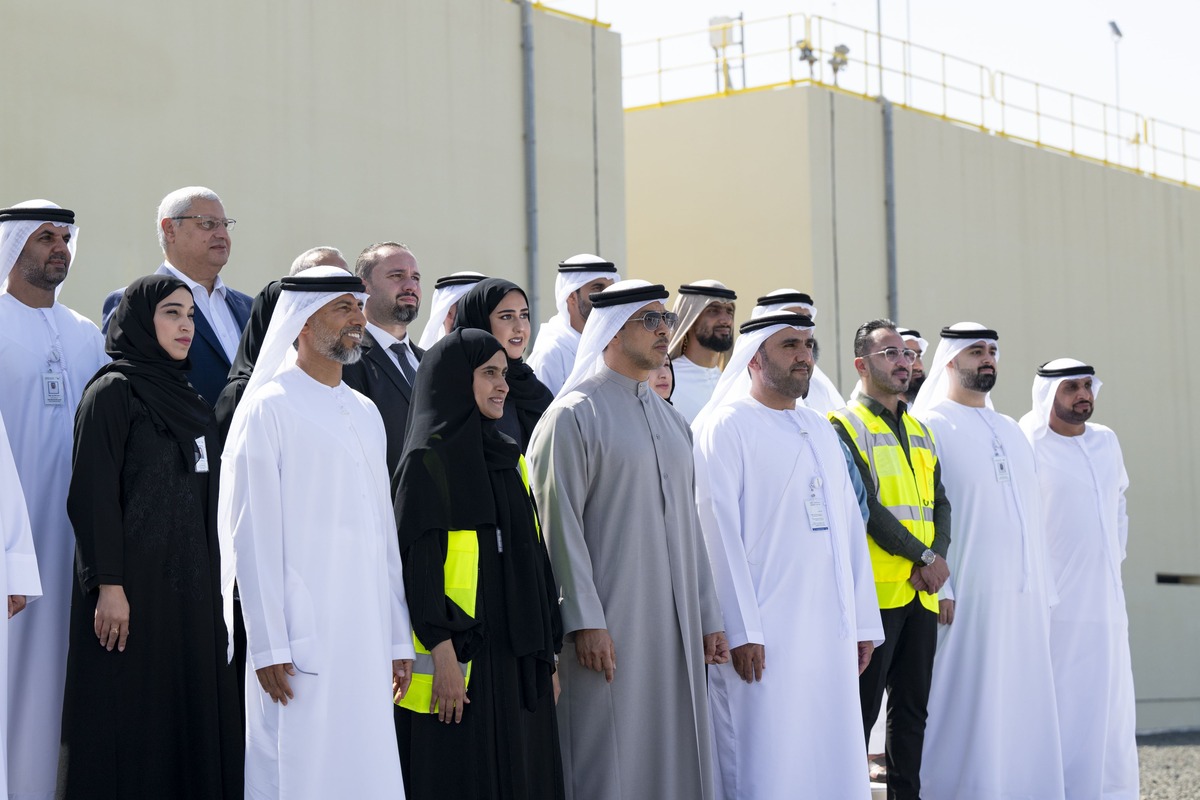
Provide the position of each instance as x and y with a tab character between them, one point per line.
315	556
389	363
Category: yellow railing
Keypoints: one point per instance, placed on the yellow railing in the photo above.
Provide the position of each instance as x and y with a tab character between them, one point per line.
796	49
579	10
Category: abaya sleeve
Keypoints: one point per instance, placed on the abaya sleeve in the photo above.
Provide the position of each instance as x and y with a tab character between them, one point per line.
102	424
435	617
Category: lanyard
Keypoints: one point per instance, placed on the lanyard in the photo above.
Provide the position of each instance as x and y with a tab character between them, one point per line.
999	453
817	491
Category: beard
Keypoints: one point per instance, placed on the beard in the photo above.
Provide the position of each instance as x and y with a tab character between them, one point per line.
1069	415
41	276
717	342
783	380
977	382
885	380
915	382
331	346
404	314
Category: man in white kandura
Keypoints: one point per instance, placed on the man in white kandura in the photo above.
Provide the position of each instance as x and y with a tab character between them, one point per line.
789	555
553	355
1083	481
992	732
447	291
698	346
19	581
611	466
822	396
305	496
48	353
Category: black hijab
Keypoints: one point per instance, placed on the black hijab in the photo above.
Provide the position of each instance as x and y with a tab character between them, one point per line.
449	446
249	347
255	332
528	396
155	378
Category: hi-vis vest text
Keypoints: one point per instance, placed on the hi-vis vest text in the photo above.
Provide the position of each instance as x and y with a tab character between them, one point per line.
462	586
906	491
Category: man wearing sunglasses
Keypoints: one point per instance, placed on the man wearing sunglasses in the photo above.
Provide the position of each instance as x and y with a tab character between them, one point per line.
908	534
194	234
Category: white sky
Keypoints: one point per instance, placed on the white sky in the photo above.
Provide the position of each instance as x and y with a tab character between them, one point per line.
1064	44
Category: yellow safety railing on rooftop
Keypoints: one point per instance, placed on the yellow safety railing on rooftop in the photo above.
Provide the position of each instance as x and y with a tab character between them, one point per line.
579	10
797	49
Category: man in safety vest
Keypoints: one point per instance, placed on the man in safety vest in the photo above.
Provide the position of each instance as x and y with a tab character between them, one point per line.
908	535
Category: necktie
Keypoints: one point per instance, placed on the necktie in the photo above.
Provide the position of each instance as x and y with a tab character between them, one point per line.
401	350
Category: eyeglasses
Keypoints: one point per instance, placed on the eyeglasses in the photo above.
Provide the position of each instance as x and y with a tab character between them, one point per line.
895	355
652	319
209	224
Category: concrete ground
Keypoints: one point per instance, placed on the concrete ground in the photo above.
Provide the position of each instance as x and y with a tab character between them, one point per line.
1170	766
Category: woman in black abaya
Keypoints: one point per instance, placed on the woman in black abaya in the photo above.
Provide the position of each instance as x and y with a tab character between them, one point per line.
461	495
150	708
501	308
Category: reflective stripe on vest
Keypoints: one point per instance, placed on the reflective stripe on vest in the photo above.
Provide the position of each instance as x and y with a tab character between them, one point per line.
903	489
461	576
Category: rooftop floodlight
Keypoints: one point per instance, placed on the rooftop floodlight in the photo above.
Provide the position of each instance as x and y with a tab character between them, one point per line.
838	60
806	52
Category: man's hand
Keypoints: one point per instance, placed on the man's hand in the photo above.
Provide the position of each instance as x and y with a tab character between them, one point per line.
274	681
111	623
449	688
16	604
557	686
716	648
401	677
595	650
749	660
865	649
917	578
945	611
935	575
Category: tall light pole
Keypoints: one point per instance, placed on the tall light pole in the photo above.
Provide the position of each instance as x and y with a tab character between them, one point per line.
1116	37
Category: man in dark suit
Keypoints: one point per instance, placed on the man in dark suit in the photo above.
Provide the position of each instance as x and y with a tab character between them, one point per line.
389	362
193	232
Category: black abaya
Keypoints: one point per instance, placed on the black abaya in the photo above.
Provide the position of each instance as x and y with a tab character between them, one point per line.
507	743
160	719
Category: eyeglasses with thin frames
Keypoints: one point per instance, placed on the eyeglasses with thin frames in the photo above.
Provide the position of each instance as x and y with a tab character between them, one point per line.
652	319
209	224
895	354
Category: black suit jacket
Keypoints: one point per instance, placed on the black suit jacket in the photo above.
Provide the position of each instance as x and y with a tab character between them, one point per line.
378	377
210	366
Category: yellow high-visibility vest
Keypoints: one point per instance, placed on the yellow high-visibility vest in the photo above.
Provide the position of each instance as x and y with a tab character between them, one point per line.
461	576
905	490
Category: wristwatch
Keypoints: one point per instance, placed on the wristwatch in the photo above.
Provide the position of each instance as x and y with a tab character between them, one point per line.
928	557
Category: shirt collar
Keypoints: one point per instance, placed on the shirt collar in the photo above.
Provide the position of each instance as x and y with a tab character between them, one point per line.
218	285
878	409
384	338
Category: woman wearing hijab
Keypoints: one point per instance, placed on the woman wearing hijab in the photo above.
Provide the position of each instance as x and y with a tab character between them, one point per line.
480	590
501	308
247	353
150	707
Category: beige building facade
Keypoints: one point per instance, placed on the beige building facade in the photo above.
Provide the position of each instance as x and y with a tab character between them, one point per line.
1063	257
317	124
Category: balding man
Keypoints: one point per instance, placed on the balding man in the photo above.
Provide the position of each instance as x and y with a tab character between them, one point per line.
193	232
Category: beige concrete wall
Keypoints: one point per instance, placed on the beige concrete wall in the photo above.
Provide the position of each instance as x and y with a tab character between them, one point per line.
317	123
1061	256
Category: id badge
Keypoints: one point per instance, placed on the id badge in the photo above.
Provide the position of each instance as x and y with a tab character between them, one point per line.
1001	465
816	514
201	455
52	389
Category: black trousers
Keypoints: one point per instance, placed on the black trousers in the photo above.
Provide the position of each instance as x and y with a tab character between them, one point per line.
904	665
